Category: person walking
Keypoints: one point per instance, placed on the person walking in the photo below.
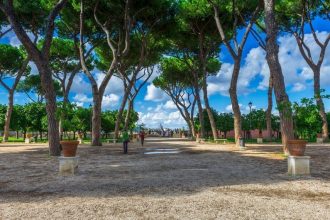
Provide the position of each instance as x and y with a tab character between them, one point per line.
142	135
125	141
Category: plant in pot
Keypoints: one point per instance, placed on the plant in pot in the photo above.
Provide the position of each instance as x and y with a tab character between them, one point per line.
306	121
68	146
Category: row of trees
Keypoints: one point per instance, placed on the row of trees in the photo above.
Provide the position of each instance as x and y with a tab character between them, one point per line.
307	121
210	24
32	117
128	38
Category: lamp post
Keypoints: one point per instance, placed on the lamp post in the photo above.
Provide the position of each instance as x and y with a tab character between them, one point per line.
250	106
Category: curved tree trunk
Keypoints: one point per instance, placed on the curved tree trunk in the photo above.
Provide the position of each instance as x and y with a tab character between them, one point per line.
8	115
129	109
200	113
282	98
269	110
209	111
234	101
121	109
320	104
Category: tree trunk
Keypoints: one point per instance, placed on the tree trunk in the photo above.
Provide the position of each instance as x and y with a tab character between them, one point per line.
122	107
320	104
96	119
8	115
48	87
208	109
129	109
234	101
269	109
200	113
282	98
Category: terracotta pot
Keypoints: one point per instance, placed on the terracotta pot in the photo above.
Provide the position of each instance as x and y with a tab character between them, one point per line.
319	135
69	148
297	147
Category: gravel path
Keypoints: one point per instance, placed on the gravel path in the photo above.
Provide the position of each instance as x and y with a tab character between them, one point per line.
189	181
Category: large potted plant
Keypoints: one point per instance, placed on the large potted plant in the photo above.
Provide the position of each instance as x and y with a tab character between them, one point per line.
297	147
68	146
304	122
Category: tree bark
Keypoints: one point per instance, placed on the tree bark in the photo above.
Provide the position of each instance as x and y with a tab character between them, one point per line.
320	104
8	115
200	112
129	109
269	110
234	101
96	119
122	107
236	53
208	109
282	98
41	59
53	132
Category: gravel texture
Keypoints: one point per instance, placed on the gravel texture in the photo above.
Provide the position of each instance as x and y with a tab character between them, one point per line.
199	181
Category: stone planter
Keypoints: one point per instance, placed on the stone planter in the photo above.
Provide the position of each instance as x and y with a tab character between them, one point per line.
298	165
241	142
319	140
27	140
69	148
259	140
68	165
297	147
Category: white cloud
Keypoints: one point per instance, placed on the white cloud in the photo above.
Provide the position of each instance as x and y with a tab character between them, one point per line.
110	100
169	118
297	87
115	85
295	70
82	98
80	84
155	72
155	94
245	109
251	68
79	104
170	105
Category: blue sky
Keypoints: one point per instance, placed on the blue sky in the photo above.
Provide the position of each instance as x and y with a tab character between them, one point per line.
155	107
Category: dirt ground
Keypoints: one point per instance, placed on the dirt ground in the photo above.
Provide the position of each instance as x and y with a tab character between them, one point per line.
190	181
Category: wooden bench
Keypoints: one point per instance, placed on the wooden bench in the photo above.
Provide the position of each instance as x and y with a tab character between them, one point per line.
224	141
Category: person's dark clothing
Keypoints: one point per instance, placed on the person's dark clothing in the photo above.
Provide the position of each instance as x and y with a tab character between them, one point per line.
125	145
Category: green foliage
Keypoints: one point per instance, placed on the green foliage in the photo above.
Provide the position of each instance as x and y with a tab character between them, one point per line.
35	115
82	119
257	118
307	120
109	120
63	55
3	110
225	122
32	84
11	59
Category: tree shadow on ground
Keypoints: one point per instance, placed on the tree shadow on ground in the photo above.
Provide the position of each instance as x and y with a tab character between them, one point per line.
30	174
